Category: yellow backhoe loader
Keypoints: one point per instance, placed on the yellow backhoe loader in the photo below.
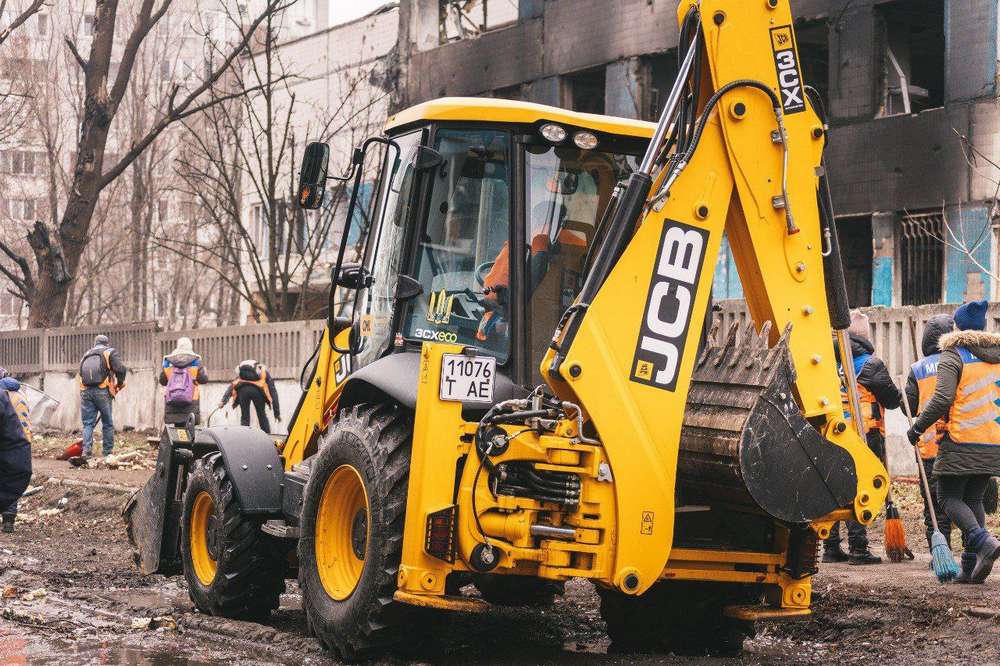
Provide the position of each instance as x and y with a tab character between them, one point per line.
522	389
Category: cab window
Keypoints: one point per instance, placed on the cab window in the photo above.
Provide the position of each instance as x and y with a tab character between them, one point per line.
464	241
567	192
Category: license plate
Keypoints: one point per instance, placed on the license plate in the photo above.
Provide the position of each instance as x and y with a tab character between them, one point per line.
467	378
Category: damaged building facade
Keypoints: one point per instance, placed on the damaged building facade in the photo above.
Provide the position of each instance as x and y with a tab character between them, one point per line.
910	89
909	85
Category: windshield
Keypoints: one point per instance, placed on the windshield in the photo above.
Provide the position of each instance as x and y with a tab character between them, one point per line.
567	192
464	240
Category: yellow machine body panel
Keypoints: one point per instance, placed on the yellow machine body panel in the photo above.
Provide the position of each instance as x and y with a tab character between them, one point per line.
319	403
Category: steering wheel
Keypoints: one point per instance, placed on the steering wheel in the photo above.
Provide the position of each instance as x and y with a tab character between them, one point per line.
482	270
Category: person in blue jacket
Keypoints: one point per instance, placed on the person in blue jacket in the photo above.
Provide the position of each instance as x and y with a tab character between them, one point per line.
15	447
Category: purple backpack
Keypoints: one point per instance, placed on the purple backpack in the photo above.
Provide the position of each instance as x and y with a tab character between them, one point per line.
180	388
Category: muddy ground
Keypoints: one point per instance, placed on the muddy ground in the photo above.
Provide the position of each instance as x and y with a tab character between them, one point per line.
72	596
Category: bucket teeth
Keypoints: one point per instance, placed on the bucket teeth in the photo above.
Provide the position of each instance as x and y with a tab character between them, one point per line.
744	441
746	357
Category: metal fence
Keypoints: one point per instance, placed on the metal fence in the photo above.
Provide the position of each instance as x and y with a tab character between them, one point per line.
890	328
283	347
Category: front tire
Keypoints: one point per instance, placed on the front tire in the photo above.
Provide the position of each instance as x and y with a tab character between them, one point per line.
232	568
352	531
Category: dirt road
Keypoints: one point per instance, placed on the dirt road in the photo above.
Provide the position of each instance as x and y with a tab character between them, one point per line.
71	596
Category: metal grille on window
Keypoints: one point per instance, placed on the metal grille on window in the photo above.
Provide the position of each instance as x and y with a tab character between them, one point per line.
921	254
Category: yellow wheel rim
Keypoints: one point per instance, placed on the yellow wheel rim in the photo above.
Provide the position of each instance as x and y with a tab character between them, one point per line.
202	520
342	529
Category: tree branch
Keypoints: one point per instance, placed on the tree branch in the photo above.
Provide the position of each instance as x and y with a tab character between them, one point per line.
33	8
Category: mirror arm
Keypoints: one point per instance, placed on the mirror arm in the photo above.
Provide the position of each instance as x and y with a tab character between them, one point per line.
358	160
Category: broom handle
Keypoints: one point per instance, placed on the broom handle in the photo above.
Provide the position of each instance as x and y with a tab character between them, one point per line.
916	449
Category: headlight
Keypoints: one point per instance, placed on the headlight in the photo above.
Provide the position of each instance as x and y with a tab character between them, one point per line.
585	140
553	132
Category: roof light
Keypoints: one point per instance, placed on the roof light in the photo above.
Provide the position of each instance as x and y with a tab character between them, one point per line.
553	132
585	140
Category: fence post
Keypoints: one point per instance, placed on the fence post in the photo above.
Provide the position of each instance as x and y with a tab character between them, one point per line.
43	350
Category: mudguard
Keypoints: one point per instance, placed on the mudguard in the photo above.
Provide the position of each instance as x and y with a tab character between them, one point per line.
254	467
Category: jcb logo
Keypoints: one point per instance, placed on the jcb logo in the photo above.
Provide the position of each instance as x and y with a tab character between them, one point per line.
439	308
668	306
787	67
341	369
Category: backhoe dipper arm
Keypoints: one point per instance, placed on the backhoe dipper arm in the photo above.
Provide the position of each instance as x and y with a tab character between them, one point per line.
627	351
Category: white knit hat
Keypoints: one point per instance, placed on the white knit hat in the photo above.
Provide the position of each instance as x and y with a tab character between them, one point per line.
184	346
859	325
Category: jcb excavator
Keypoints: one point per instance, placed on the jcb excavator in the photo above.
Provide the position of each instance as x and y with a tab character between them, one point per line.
523	390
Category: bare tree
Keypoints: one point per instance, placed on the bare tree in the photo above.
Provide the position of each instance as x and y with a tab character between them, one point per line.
19	18
57	249
265	250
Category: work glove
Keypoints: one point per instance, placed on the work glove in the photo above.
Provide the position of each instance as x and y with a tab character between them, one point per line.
913	436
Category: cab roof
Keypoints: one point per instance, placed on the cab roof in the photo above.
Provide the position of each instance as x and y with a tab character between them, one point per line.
490	110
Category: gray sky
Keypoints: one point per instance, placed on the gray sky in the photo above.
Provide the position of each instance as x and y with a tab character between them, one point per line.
346	10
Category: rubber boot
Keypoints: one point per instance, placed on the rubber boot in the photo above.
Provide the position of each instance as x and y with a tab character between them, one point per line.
968	564
862	557
987	548
8	522
833	554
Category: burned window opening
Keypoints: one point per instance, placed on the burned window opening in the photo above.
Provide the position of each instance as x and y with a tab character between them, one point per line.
662	68
584	91
855	236
813	41
913	56
921	257
468	19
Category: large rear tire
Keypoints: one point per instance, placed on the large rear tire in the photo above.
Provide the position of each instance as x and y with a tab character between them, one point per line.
232	568
352	531
682	617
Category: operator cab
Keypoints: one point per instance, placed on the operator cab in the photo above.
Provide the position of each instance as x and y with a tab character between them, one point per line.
443	196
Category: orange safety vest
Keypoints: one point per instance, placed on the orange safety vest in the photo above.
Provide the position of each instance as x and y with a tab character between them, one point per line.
925	374
168	371
110	382
20	405
974	418
871	411
260	383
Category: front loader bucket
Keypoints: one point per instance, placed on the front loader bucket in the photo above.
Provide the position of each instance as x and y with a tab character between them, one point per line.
745	441
152	515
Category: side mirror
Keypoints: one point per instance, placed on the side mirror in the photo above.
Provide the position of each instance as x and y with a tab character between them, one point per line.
312	177
354	276
427	158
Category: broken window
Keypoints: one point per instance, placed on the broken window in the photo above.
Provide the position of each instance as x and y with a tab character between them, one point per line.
855	236
921	257
912	40
813	41
467	19
662	69
584	91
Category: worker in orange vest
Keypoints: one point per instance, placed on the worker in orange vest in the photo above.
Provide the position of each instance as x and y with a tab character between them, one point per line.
877	393
920	386
253	385
967	395
101	377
